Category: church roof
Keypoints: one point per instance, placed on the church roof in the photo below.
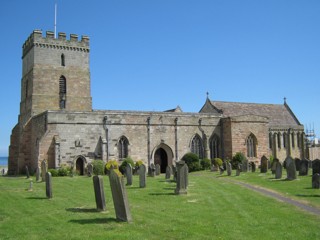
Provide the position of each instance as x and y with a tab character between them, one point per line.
278	114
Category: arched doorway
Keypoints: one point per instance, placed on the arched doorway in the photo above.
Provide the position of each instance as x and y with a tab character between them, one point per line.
80	166
161	158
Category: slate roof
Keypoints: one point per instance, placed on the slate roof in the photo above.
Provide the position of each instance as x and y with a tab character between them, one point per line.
278	114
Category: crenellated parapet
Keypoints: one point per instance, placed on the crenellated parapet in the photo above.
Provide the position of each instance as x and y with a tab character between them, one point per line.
36	39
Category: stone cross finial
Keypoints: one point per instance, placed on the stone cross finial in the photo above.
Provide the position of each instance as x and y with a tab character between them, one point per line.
285	100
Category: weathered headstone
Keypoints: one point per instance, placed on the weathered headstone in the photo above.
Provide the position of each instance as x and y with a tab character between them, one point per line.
158	169
315	166
37	174
142	176
129	174
244	166
304	167
278	170
221	169
253	167
264	164
274	165
174	173
151	170
168	172
30	186
291	169
48	185
90	169
43	170
316	181
239	168
182	178
297	162
99	192
119	196
229	168
27	172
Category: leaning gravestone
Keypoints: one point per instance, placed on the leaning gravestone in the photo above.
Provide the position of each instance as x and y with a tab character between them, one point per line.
315	166
158	169
38	174
27	172
182	178
43	170
291	168
129	174
304	167
142	176
168	172
278	170
119	196
90	169
229	168
99	192
316	181
48	185
151	170
264	164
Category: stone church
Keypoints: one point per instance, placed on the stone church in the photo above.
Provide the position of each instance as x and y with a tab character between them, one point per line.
57	124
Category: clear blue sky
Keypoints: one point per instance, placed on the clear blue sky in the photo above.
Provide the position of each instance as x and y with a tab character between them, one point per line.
157	54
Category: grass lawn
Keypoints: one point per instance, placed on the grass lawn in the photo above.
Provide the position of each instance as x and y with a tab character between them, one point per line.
212	209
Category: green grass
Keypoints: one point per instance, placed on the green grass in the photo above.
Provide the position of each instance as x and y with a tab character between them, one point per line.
212	209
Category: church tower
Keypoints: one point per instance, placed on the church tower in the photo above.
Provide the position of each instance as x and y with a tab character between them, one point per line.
55	74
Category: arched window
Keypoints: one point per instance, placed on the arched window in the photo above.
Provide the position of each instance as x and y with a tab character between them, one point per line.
63	60
123	144
197	146
284	140
279	139
62	92
292	140
299	140
214	147
251	146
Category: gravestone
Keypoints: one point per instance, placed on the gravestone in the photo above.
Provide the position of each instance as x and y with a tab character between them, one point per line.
316	181
229	168
174	173
129	174
43	170
244	166
182	178
253	167
99	192
158	169
142	176
264	164
239	168
30	186
37	174
304	167
291	169
297	162
168	172
119	196
151	170
48	185
27	172
278	170
221	169
90	170
274	165
315	166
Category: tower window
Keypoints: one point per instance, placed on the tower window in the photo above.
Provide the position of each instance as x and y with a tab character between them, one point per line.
63	60
62	92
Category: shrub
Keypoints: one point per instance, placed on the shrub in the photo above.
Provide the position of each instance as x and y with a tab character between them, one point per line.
237	159
192	160
138	163
111	164
217	162
54	172
205	163
124	164
98	167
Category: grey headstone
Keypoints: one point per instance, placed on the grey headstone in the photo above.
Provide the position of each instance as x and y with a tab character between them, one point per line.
43	170
239	168
99	192
297	162
168	172
182	178
291	169
129	174
274	165
152	170
244	166
158	169
30	186
304	167
316	181
229	168
264	164
278	170
119	196
37	174
142	176
27	172
174	173
315	166
48	185
90	169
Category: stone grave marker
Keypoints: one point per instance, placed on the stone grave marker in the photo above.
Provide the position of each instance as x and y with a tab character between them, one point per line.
48	185
174	173
238	171
129	174
291	169
274	165
27	172
229	168
142	176
297	162
168	172
182	178
119	196
99	192
38	174
304	167
316	181
152	170
90	170
158	169
253	167
264	164
43	170
278	170
315	166
30	186
244	166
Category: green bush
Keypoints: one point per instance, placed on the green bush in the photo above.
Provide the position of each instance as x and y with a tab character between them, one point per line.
63	171
237	159
98	167
217	162
138	163
205	163
124	164
111	164
193	162
54	172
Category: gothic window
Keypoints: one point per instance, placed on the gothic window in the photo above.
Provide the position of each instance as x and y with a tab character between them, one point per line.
62	92
299	140
284	140
63	60
251	146
197	146
123	144
292	139
214	147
